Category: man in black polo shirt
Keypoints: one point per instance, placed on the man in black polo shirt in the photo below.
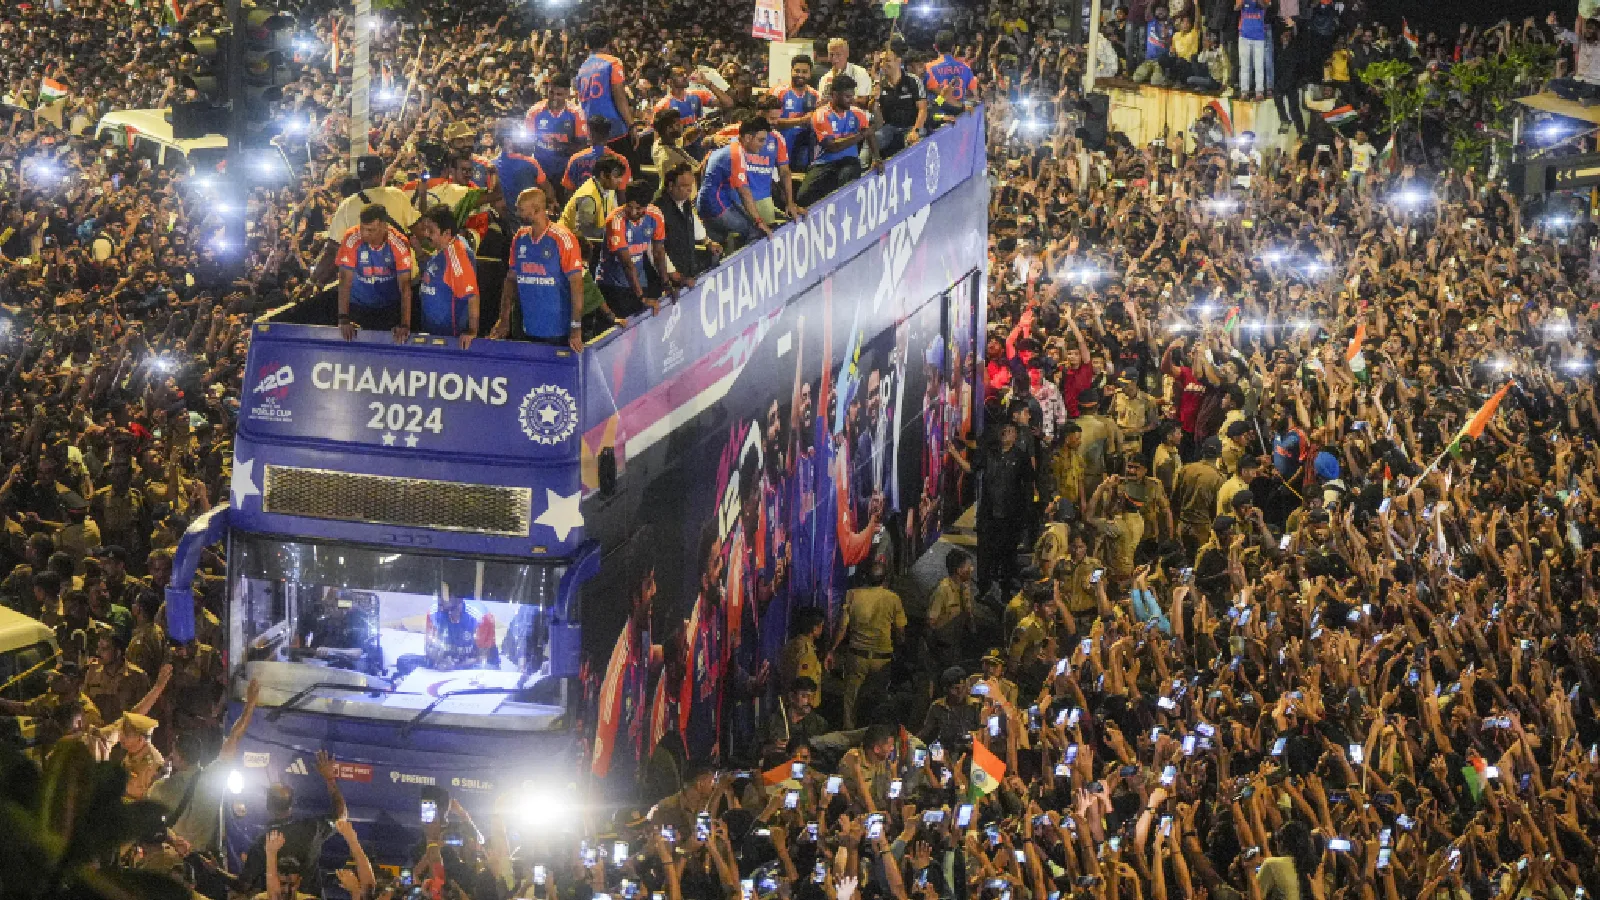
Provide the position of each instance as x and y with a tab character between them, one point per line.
902	103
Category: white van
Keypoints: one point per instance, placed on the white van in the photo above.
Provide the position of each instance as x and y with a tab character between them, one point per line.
149	134
26	648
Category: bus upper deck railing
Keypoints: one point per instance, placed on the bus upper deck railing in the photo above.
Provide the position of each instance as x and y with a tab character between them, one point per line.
837	227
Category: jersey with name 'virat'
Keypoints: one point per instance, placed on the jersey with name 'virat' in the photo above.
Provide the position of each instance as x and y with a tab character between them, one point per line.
449	282
580	168
557	134
543	264
597	78
831	124
375	271
630	239
952	78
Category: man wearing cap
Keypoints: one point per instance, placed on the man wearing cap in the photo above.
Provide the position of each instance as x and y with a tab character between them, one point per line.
1135	412
134	752
1101	439
1195	495
1020	604
393	201
1233	445
80	534
199	683
121	588
1146	495
1120	522
120	510
64	697
1237	482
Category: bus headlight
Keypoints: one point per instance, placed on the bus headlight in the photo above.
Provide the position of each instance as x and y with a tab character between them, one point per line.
544	809
235	782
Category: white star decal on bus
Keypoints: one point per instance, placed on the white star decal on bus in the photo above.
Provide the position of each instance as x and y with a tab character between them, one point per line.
561	515
243	484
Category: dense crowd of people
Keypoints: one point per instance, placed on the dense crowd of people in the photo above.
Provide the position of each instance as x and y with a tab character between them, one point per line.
1286	501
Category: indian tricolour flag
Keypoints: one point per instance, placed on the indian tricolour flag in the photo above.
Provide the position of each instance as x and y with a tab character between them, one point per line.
1407	35
1353	355
1475	426
987	770
1339	114
51	90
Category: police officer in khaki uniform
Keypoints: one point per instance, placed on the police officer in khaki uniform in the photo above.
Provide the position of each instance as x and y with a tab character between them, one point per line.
1145	494
113	683
120	508
197	685
1000	688
1078	586
870	626
121	588
133	750
53	710
950	608
798	659
1037	629
1195	495
147	647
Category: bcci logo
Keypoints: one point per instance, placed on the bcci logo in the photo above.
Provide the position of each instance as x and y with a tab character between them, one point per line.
275	380
549	414
930	169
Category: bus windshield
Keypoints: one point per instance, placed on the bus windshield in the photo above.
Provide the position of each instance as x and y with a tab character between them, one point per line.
363	632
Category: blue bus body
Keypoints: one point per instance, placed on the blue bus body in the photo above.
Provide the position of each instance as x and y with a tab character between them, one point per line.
371	478
372	481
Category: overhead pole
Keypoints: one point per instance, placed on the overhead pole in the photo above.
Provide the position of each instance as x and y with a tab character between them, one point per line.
361	83
234	189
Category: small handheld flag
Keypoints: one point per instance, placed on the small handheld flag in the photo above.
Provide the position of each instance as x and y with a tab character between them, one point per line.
1475	426
987	770
1353	356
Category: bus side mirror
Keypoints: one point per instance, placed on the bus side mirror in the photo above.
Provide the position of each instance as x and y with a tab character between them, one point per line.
608	471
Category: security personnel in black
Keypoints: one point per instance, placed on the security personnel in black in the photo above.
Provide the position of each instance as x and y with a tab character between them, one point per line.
951	719
902	103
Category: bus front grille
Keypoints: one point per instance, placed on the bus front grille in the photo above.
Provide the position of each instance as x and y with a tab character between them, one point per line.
404	502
